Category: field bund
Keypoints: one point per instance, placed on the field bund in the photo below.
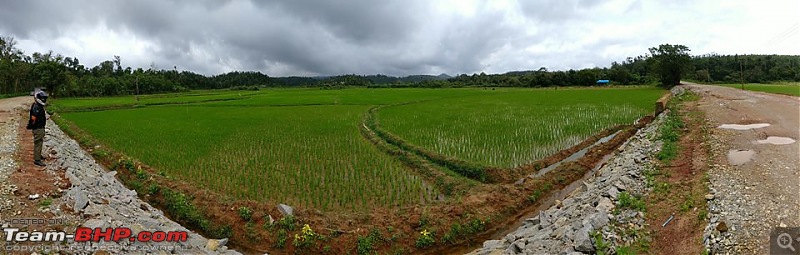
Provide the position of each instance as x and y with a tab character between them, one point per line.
366	169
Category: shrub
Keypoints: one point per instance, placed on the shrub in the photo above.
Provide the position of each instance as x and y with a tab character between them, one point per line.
281	238
245	213
287	223
306	237
425	239
366	244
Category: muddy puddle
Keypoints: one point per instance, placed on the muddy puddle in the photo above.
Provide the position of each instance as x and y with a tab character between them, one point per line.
776	140
575	156
739	157
743	127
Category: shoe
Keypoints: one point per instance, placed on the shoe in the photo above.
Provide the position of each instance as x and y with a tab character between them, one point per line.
39	163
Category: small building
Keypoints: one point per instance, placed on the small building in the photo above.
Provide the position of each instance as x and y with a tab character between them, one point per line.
603	82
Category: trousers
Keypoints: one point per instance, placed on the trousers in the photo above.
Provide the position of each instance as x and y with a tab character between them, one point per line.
38	139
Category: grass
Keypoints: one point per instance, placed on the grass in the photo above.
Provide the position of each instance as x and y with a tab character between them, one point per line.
512	127
366	244
787	88
671	131
458	230
601	246
628	201
129	101
539	191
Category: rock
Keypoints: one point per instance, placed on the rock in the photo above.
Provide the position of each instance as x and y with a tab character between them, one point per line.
285	210
136	228
94	223
517	246
625	180
722	227
544	220
598	220
583	242
709	196
619	185
560	232
223	241
613	192
212	244
542	234
604	205
782	225
558	203
510	238
81	200
492	244
33	197
532	221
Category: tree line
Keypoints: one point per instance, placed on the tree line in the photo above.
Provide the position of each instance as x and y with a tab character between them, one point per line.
667	64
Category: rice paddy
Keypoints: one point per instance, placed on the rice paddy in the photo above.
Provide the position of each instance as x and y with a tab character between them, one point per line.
303	146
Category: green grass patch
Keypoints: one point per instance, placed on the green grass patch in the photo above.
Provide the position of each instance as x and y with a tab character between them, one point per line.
459	230
628	201
787	88
129	101
672	129
540	191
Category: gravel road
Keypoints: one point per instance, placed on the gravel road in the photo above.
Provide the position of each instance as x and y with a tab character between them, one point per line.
754	175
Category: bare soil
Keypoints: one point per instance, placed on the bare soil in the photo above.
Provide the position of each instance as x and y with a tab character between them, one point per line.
29	178
685	196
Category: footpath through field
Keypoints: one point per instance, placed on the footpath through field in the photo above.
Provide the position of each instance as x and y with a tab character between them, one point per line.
755	169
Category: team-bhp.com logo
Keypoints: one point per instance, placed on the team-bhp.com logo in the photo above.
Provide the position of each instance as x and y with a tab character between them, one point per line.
95	235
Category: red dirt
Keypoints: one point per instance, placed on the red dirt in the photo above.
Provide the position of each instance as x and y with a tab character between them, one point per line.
30	180
683	235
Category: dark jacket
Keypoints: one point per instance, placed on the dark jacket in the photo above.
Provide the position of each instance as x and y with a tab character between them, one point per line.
37	110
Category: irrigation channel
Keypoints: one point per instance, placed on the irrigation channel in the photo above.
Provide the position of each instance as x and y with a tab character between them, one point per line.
608	145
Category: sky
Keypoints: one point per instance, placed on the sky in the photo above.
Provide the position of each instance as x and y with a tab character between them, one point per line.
393	37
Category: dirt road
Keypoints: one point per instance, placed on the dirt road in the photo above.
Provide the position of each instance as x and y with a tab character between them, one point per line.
755	169
8	104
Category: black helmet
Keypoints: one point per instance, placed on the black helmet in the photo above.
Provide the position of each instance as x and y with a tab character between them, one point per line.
41	96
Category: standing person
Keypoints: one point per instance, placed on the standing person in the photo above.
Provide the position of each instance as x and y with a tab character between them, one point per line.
36	123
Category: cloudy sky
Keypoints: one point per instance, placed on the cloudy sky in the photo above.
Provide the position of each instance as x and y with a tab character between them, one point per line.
394	37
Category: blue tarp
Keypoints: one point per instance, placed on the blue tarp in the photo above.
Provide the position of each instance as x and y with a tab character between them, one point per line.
602	81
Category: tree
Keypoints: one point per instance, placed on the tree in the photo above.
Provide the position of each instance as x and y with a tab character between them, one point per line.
670	62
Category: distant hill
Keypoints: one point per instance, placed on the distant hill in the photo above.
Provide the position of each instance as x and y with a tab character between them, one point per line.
293	81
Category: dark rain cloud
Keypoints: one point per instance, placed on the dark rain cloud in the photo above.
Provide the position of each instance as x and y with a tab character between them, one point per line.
305	36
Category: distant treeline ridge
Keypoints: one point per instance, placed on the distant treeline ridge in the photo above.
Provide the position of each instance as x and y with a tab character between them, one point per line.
67	77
